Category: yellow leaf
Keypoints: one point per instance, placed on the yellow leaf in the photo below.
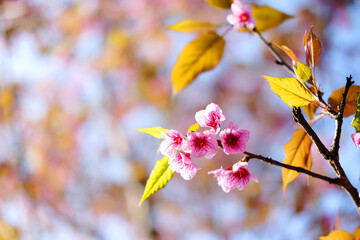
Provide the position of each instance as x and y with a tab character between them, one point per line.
191	26
200	55
310	110
194	127
336	97
7	232
356	234
159	177
154	131
297	153
288	51
303	72
291	91
338	235
267	17
221	4
312	47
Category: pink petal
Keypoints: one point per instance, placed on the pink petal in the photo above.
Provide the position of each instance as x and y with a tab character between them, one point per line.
237	8
251	23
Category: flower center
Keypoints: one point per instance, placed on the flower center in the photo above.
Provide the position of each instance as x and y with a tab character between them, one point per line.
244	17
200	141
232	140
241	173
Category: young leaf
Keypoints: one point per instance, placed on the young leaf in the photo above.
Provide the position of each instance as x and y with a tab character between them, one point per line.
191	26
338	235
221	4
303	72
200	55
356	120
291	91
312	48
288	51
154	131
159	177
336	97
194	127
297	153
267	17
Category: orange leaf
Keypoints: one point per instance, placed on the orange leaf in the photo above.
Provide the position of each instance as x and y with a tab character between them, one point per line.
297	153
338	235
336	97
288	51
312	47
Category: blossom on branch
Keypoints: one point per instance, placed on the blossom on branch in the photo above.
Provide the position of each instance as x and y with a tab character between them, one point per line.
172	142
241	16
200	144
212	117
237	176
356	139
234	139
181	163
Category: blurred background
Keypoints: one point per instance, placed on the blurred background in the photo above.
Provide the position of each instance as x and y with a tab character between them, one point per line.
77	77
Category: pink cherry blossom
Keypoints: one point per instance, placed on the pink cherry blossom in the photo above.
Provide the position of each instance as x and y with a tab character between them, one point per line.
212	116
200	144
236	177
241	16
172	142
356	139
234	139
181	163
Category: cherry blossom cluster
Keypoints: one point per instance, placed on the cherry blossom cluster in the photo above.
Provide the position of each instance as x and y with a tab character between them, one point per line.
181	150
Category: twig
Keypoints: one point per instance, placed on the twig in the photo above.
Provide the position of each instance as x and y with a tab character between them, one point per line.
279	59
339	119
271	161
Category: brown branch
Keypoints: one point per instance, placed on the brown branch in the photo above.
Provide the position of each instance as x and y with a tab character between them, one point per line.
279	60
297	169
339	119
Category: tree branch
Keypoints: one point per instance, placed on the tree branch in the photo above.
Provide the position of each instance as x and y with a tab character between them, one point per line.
271	161
339	119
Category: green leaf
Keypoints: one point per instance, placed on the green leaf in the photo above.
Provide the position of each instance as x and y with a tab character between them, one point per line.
303	72
194	127
200	55
356	120
159	177
221	4
350	104
154	131
291	91
297	153
192	26
267	17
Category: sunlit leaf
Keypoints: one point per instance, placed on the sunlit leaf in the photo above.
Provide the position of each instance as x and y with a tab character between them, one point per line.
356	120
312	47
200	55
159	177
291	91
194	127
191	26
303	72
338	235
221	4
154	131
288	51
267	17
356	234
297	153
336	97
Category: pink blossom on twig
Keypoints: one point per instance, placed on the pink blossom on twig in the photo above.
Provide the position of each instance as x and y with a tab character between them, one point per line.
181	163
234	139
200	144
241	16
